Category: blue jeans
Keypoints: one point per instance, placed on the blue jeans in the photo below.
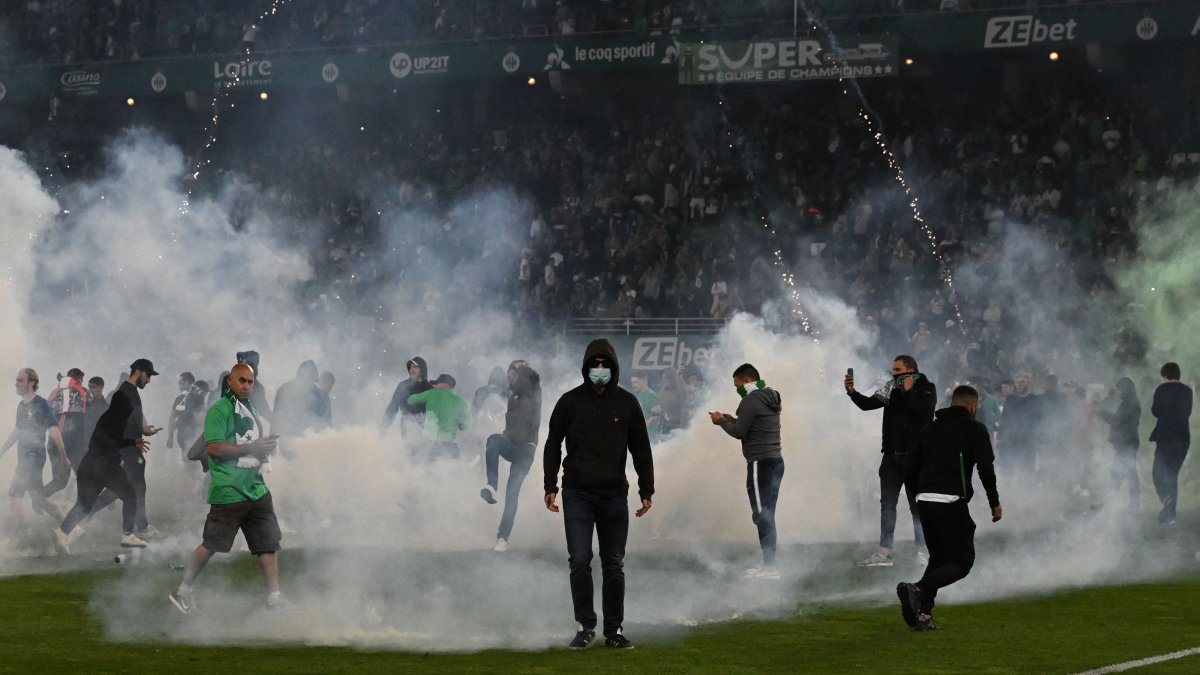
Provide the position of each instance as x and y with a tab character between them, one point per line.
607	515
891	479
521	457
763	477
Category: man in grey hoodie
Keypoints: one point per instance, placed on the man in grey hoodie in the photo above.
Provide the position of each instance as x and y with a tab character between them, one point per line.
757	427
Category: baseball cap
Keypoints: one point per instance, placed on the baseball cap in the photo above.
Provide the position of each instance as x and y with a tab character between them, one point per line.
143	365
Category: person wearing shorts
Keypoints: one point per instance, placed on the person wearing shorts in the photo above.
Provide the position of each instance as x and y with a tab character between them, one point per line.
238	452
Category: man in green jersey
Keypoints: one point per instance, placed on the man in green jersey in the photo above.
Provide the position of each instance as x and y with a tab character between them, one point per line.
446	414
237	452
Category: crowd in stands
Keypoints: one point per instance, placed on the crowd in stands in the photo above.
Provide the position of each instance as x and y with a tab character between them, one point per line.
697	204
74	31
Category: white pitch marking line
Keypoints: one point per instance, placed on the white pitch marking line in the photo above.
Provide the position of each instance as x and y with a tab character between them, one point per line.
1150	660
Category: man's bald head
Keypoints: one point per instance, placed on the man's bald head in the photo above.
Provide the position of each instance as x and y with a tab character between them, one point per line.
241	381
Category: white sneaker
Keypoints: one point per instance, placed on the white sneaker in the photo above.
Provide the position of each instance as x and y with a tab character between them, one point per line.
922	558
501	545
149	533
763	572
131	540
60	541
877	559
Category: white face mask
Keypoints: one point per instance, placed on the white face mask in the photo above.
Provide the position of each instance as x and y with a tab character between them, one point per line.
599	376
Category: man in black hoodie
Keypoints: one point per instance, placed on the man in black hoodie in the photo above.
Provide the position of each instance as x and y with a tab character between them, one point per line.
518	444
940	467
601	423
908	401
412	419
757	426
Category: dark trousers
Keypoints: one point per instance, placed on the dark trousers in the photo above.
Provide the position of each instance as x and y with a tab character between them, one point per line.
520	455
763	477
1124	470
891	479
950	535
1168	458
608	516
75	443
95	475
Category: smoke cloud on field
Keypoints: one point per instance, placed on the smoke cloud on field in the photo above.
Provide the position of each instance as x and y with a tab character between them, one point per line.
396	552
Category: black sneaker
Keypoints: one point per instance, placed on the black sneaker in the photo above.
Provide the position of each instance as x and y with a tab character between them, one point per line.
924	623
910	602
488	494
583	639
618	641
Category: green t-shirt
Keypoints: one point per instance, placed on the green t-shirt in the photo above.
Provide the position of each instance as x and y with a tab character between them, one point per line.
647	400
446	413
236	423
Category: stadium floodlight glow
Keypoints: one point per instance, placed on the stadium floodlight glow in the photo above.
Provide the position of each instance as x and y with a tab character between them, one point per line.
263	96
1053	56
531	81
908	61
129	101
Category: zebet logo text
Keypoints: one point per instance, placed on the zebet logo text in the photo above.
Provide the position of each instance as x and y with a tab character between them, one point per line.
665	352
1021	31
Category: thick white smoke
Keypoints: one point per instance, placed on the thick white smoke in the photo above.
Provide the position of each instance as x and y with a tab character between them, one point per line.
395	553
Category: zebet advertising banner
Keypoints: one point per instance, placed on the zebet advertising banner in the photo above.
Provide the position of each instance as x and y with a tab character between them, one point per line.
788	59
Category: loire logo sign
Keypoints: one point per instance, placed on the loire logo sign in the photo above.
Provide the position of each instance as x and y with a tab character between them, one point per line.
1022	31
402	65
242	73
665	352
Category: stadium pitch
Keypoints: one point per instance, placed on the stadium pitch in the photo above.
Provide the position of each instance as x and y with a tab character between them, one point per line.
467	611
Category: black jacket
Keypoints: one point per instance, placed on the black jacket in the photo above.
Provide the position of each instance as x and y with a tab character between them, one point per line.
946	453
405	389
904	414
121	425
1172	406
599	429
524	414
1123	423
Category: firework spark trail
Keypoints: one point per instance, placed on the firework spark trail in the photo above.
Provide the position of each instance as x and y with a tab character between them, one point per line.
221	93
874	124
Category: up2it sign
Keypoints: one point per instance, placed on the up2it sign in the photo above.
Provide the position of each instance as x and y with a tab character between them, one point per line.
1025	30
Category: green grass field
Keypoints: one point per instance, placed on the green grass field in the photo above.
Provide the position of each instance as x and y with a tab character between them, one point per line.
47	624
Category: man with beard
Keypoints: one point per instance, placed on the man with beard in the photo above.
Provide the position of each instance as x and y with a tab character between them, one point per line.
602	425
517	444
34	419
119	435
946	452
908	401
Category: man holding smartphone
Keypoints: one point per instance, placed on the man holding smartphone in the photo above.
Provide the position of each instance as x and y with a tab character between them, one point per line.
238	497
118	440
908	401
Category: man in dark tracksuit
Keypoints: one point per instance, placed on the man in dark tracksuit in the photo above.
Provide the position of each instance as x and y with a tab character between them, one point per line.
120	429
940	467
1172	407
757	426
908	401
517	444
601	424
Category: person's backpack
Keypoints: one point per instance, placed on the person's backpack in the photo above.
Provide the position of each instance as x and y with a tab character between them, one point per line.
68	397
199	452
